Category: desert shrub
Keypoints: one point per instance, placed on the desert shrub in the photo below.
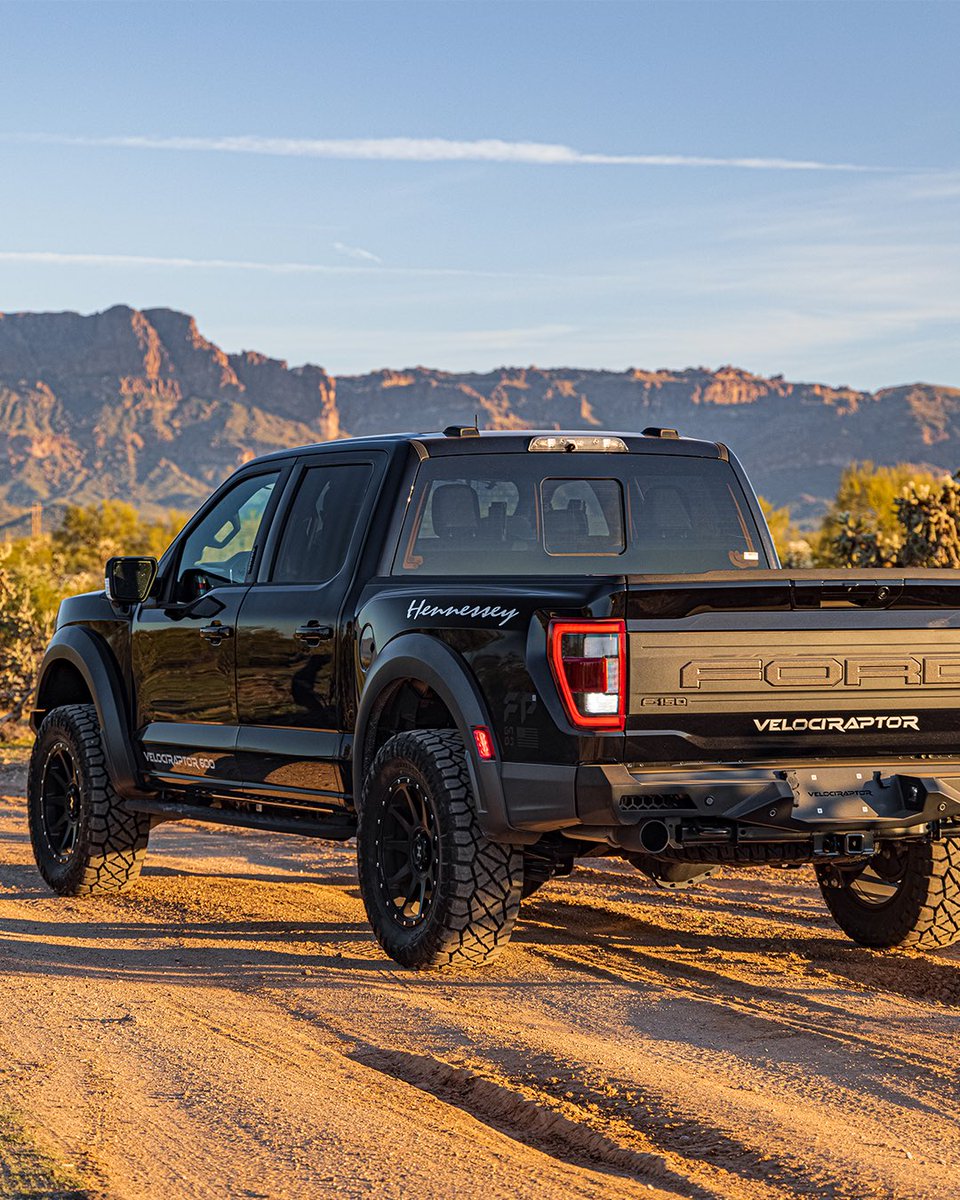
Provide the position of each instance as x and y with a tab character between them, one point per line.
926	532
36	573
929	517
26	622
861	527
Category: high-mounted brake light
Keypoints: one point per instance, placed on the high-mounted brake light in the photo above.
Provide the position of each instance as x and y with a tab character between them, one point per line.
582	442
588	659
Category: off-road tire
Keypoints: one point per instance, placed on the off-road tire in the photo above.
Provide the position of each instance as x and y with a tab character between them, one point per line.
109	843
924	911
476	894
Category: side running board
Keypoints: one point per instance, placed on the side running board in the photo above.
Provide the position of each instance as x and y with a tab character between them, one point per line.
338	827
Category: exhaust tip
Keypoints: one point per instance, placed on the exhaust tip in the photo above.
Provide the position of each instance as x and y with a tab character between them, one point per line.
654	836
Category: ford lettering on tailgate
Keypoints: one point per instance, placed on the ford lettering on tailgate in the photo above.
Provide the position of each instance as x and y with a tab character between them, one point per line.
863	671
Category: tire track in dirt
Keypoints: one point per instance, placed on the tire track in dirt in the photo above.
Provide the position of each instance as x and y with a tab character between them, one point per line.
734	980
529	1120
232	1028
656	1115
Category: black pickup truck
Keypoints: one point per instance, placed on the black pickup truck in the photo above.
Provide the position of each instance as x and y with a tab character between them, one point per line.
489	655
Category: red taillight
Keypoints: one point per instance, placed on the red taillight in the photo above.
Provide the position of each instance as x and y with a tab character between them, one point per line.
483	740
589	664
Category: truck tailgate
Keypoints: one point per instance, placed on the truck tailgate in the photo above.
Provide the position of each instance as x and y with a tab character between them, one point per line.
737	667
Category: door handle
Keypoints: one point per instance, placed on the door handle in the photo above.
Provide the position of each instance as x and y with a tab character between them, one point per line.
313	633
216	632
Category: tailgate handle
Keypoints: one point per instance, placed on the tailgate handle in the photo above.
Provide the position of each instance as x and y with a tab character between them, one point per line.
864	593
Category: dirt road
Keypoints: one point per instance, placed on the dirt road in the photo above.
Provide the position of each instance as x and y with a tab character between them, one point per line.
231	1029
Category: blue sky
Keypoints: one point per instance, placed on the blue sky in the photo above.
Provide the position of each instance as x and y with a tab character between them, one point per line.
462	185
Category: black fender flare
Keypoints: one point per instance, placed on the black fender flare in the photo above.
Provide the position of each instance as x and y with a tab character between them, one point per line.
428	660
90	655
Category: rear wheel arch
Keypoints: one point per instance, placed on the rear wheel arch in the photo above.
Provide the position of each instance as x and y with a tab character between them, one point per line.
416	664
405	704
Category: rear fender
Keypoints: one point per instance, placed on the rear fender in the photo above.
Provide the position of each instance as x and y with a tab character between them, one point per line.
420	658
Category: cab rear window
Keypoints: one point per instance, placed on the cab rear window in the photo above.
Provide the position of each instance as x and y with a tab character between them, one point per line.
602	514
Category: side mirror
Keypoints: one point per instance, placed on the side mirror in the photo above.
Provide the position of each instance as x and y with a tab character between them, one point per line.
129	580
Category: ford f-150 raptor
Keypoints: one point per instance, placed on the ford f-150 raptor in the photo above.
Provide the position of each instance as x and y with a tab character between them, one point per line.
489	655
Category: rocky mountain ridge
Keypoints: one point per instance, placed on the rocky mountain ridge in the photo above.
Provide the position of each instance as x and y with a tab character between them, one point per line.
140	405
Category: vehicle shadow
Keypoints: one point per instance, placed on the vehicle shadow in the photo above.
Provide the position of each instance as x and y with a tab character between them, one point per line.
820	950
709	980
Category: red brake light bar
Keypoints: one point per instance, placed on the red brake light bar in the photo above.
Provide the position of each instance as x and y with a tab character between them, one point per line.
588	660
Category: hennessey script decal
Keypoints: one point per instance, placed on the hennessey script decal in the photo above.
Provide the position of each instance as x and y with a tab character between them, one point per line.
423	608
833	724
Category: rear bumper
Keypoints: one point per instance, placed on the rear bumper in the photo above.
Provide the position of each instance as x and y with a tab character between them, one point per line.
731	804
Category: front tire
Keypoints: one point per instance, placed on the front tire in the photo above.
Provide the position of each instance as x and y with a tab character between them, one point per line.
908	894
84	840
437	892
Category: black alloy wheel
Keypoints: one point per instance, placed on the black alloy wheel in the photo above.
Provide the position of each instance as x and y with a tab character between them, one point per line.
84	838
877	883
408	852
438	892
60	802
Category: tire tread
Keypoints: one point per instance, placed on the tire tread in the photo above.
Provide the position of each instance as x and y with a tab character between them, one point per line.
113	840
924	915
480	897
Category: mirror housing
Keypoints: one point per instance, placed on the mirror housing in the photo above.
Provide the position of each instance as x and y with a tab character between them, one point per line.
129	580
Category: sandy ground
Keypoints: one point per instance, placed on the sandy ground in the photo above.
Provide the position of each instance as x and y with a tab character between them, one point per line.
231	1029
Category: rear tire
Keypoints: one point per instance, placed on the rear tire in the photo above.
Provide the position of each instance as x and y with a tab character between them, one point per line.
907	895
84	840
437	892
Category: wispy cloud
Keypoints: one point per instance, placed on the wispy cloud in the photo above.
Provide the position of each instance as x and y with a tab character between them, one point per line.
432	150
357	252
60	258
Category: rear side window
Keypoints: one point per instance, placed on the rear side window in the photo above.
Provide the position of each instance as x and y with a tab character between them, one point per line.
604	514
320	525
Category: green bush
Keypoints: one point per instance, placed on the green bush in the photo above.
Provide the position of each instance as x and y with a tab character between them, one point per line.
925	531
35	573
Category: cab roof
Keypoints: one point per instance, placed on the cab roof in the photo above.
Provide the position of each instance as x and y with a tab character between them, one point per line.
467	440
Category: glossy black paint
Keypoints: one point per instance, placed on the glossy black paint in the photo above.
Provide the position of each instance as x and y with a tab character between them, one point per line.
291	655
184	676
277	718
